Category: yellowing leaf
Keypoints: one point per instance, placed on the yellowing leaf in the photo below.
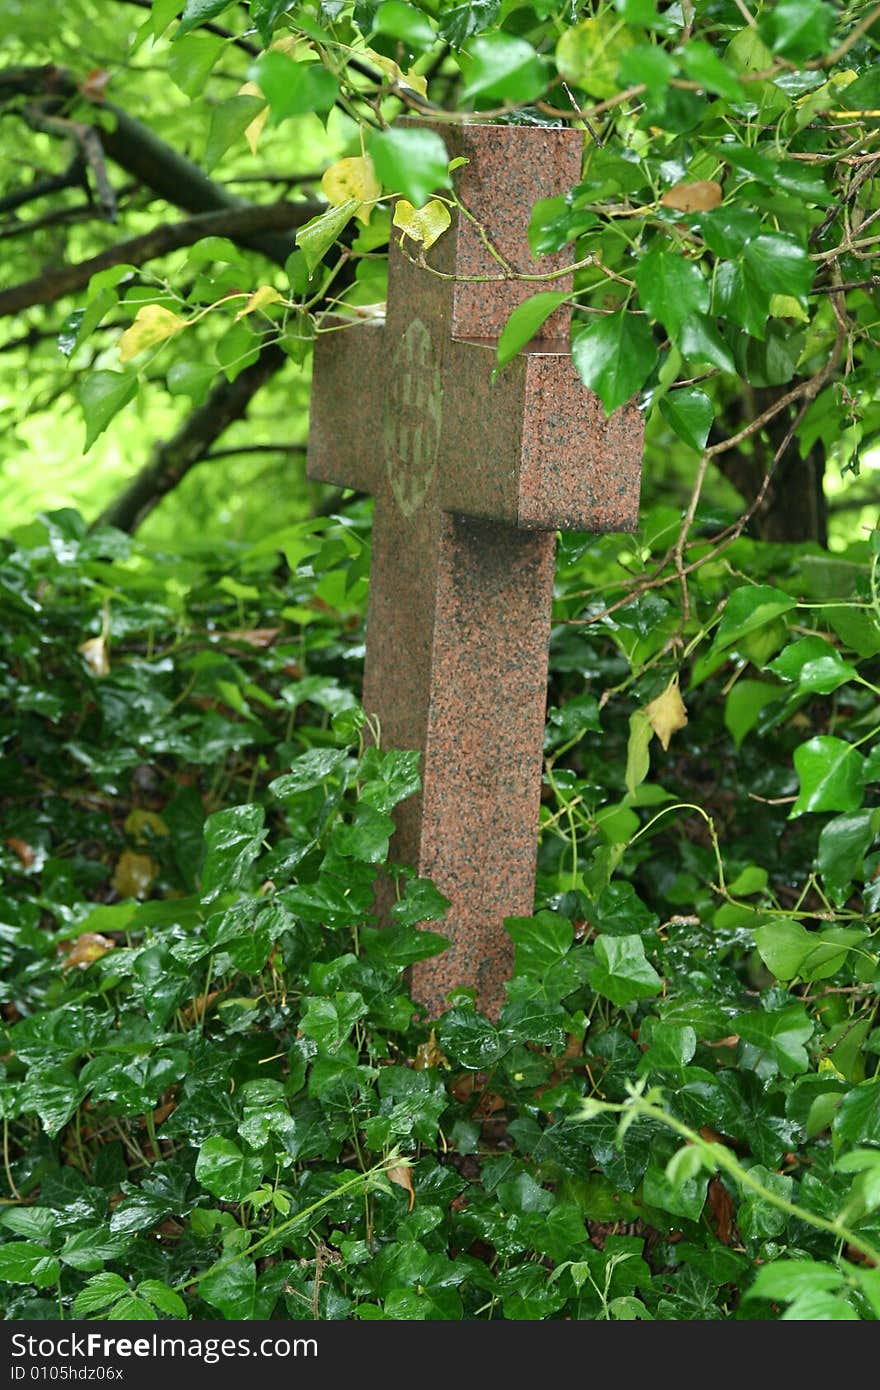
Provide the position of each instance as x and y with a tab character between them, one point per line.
134	874
699	196
667	713
402	1175
422	224
589	54
352	178
266	294
89	947
430	1054
138	821
410	79
255	129
785	306
96	655
152	325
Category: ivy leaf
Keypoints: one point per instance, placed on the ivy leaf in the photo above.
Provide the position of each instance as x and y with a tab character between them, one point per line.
196	12
799	28
525	321
317	236
671	288
858	1119
702	64
25	1262
101	396
225	1171
750	607
690	413
614	356
229	121
308	770
779	263
780	1033
153	324
700	341
589	54
232	842
293	88
843	844
459	22
231	1288
622	972
831	773
424	225
411	162
501	68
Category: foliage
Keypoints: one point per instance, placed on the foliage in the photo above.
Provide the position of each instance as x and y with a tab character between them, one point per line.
217	1097
722	229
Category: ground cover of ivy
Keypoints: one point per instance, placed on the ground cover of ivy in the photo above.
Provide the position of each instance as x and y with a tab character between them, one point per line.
217	1097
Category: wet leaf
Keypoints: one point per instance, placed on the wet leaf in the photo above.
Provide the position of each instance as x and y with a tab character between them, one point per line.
260	299
423	225
153	324
666	714
353	178
134	874
88	948
401	1174
698	196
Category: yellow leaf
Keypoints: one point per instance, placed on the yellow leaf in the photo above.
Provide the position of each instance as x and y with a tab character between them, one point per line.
96	655
352	178
422	224
137	822
699	196
255	129
827	1066
402	1175
430	1054
266	294
410	79
134	874
89	947
152	325
667	713
785	306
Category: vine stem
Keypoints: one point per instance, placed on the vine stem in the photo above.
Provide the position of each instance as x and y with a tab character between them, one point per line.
359	1180
718	1156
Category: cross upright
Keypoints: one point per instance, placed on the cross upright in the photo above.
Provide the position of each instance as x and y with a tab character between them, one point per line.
471	481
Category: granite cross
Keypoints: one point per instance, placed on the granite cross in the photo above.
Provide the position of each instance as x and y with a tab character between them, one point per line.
471	481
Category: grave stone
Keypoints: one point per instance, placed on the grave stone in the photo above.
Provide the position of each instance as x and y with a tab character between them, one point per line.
471	479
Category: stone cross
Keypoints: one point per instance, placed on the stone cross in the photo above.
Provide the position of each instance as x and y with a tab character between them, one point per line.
471	481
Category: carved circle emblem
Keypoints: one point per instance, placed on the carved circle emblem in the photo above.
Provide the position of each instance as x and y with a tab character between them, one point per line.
412	418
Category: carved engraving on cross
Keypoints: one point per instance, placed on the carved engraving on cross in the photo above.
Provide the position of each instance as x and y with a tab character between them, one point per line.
471	481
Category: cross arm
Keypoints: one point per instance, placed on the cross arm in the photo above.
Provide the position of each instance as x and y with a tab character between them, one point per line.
534	449
348	400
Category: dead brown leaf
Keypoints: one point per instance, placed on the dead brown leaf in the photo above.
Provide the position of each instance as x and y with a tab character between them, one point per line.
700	196
721	1210
88	948
22	849
96	654
401	1174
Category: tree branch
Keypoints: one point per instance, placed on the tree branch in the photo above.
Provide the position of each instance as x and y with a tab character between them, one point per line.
71	177
173	458
239	223
141	153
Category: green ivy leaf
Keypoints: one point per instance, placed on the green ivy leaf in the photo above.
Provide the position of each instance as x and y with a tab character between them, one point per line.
196	12
780	1033
308	770
749	608
671	288
317	236
614	356
233	839
411	162
225	1171
858	1119
831	774
293	88
101	396
843	844
231	1288
622	972
690	413
229	121
501	68
799	28
702	64
525	322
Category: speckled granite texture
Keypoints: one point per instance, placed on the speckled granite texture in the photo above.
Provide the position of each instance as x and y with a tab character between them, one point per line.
472	479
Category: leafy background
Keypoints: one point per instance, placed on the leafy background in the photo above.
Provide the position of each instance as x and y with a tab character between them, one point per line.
217	1097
